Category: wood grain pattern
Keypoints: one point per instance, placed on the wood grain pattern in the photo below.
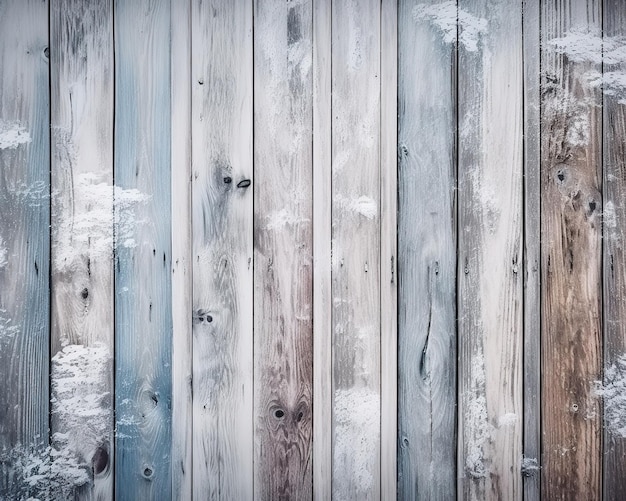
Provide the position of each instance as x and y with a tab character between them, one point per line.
143	316
182	287
81	36
283	245
490	249
356	248
614	258
322	234
222	169
571	202
426	255
532	252
24	246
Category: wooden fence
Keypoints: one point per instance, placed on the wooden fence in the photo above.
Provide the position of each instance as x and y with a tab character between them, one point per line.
295	249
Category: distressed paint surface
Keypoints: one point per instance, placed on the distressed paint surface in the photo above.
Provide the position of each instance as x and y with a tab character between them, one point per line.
24	248
222	171
427	254
143	317
490	250
283	245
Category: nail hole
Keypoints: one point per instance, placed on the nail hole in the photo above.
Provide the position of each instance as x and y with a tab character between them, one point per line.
561	176
209	318
85	293
592	206
147	472
201	82
279	413
228	180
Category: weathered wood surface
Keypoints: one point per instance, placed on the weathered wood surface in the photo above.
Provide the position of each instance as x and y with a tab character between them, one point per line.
614	238
222	169
356	248
283	245
24	248
532	251
322	234
426	252
571	207
143	318
490	257
182	287
82	330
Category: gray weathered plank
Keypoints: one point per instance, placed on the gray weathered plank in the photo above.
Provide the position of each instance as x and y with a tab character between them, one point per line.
24	248
614	233
143	318
222	170
571	249
322	290
81	48
490	249
426	252
532	294
182	412
283	245
356	248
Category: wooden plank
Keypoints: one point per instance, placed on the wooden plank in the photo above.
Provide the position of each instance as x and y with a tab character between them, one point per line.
614	258
490	249
532	251
222	249
24	248
322	290
571	249
143	303
388	248
426	251
283	248
356	248
81	424
182	412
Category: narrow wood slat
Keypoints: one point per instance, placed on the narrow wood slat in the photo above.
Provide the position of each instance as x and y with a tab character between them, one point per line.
571	249
426	252
614	233
143	316
283	245
222	201
532	293
82	334
322	298
490	249
356	227
182	412
24	248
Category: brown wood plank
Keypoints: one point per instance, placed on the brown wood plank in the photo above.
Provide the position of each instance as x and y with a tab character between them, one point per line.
571	249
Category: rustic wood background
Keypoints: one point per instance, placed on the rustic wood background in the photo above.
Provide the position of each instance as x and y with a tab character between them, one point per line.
312	249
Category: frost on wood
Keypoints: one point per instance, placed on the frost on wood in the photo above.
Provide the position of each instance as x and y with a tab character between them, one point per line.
90	232
356	435
613	393
3	254
364	206
444	17
478	429
530	466
284	217
12	135
8	330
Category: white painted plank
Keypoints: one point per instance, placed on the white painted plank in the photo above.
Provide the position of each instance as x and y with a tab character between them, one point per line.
222	249
356	249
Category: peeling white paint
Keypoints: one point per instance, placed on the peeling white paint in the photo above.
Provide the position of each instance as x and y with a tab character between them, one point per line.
613	393
12	135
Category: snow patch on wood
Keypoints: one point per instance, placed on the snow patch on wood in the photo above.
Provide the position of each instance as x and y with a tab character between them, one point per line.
7	329
613	393
479	429
530	466
12	135
508	419
3	254
363	205
609	216
284	217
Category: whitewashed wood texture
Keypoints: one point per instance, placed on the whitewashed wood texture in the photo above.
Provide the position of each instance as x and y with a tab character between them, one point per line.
24	246
143	315
490	260
222	173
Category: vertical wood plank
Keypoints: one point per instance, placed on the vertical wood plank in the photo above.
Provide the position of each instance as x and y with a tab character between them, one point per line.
283	245
143	302
322	290
222	170
571	203
614	233
24	248
356	248
532	230
81	36
388	248
490	249
182	422
426	252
